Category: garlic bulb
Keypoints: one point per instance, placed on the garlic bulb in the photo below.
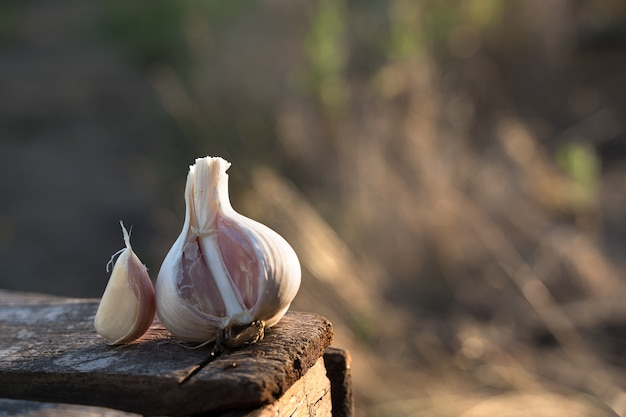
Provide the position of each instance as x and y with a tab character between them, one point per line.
227	277
126	309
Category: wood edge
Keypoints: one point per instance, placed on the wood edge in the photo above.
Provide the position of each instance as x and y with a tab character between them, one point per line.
14	297
27	408
338	362
309	394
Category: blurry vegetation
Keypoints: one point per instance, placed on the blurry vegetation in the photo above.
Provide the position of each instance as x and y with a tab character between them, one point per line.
147	34
326	50
581	163
424	159
420	159
156	35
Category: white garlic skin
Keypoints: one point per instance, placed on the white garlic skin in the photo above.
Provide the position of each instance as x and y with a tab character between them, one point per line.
224	270
126	309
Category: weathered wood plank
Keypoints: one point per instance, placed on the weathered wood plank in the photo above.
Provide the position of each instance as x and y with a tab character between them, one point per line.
337	363
22	408
49	351
307	397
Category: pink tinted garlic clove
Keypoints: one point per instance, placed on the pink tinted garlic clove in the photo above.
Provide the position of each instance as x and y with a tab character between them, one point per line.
127	306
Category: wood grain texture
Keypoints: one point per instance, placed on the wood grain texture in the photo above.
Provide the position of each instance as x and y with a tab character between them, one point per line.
307	397
49	351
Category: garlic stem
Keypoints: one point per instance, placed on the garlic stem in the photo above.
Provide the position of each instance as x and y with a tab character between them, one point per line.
214	261
210	195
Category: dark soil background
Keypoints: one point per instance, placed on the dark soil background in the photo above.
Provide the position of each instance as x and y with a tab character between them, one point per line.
451	174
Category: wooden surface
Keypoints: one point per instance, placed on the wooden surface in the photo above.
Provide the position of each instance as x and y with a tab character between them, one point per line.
49	351
23	408
337	363
307	397
310	396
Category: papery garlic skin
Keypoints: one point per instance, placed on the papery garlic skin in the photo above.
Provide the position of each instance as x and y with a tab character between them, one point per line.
127	306
225	271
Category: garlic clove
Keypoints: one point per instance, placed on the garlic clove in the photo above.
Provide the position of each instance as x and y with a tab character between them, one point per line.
127	306
227	277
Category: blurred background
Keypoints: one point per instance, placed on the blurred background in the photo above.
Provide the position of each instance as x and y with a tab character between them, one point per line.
451	173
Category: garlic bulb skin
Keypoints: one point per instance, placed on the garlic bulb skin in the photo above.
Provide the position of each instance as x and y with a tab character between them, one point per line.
127	307
226	275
